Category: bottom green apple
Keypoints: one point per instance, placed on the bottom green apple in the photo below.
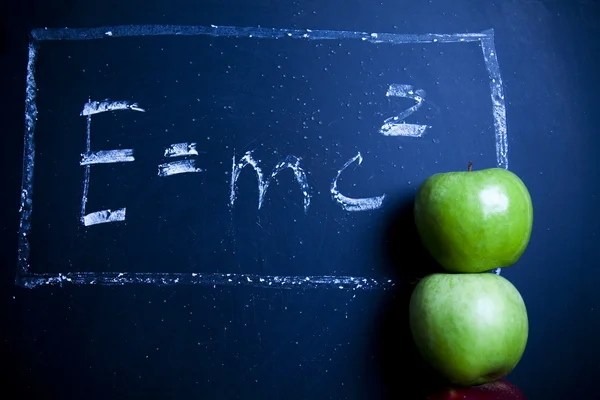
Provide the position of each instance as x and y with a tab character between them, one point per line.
472	328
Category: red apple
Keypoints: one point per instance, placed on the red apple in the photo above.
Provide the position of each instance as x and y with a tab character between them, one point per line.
497	390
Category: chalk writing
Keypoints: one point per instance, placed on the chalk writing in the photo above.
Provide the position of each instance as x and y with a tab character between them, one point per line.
291	162
351	204
97	107
102	157
180	166
181	149
395	126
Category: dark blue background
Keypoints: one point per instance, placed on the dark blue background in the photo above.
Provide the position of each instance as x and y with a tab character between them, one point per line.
183	342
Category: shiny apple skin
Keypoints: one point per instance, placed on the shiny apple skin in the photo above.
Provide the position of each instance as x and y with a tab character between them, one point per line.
474	221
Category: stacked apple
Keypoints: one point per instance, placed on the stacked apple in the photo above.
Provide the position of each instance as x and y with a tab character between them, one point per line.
469	324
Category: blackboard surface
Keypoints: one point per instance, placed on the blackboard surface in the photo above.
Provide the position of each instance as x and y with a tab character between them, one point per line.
213	200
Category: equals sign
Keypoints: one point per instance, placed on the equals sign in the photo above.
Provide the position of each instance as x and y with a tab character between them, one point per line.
179	166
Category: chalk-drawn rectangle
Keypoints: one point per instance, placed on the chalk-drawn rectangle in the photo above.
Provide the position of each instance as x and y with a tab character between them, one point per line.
330	40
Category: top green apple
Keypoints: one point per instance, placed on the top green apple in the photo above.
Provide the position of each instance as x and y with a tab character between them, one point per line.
474	221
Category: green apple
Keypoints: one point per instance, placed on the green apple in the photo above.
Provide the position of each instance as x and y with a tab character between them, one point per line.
472	328
474	221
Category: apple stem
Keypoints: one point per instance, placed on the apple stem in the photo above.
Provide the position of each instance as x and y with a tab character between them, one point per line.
470	166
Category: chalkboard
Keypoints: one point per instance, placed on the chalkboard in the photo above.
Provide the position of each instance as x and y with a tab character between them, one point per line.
248	165
215	200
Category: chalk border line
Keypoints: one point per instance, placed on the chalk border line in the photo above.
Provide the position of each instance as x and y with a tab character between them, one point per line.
28	279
